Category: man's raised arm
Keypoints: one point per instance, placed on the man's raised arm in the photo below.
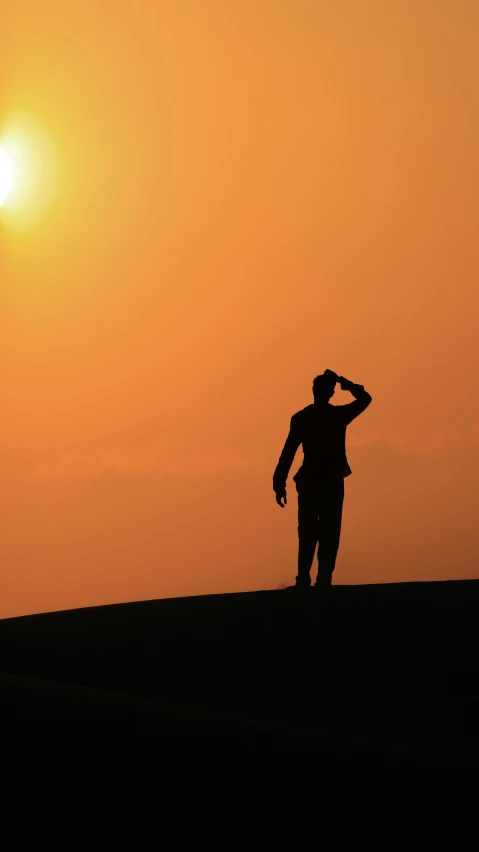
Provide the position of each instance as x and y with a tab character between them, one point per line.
362	398
285	461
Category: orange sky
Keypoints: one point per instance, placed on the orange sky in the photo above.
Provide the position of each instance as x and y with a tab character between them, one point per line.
223	200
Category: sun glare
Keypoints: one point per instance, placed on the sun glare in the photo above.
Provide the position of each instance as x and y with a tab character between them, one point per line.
6	176
28	172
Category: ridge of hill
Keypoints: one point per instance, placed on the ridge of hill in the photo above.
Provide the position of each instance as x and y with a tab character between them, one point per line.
389	670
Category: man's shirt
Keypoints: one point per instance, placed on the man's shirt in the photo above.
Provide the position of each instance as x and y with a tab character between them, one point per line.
321	429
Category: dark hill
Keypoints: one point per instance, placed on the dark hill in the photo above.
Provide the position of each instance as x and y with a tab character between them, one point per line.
370	673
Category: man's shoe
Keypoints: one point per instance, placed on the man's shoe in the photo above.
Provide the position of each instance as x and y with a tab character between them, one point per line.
302	584
323	584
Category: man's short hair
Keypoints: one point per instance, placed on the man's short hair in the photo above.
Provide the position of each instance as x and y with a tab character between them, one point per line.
325	382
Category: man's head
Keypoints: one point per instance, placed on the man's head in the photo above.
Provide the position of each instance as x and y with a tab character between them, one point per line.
323	388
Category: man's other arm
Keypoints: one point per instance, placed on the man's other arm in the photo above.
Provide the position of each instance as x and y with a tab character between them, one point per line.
287	457
361	402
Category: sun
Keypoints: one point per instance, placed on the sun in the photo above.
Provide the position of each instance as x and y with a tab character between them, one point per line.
6	176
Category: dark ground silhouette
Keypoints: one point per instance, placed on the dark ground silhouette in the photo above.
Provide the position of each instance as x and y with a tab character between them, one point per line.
321	430
386	673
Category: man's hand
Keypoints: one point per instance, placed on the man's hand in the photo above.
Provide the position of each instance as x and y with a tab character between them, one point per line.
280	496
346	385
332	375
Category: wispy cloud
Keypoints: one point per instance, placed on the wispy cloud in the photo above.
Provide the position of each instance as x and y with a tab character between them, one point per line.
150	461
184	461
429	445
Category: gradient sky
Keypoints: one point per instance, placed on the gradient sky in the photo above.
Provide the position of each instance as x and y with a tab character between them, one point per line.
215	202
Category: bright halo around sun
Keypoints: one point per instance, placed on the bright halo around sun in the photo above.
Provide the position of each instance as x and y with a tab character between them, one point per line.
29	172
6	175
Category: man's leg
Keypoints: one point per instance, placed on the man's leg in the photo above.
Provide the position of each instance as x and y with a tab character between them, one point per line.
331	498
307	532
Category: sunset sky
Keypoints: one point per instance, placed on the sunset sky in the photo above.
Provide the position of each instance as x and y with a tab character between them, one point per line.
213	202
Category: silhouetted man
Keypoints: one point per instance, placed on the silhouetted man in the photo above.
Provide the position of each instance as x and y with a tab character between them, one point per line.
321	429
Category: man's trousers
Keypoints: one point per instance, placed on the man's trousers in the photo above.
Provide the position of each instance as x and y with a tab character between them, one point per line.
320	508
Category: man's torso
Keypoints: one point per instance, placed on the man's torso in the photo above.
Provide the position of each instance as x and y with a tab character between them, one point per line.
323	437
